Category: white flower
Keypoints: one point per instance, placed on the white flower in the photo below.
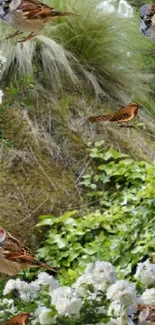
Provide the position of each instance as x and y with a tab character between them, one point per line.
66	301
145	272
74	306
7	302
148	296
7	306
83	284
34	285
23	286
43	315
114	308
1	95
27	291
61	292
104	275
123	291
46	279
10	285
99	275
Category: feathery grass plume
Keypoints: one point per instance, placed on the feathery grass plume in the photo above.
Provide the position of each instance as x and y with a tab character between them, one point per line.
93	51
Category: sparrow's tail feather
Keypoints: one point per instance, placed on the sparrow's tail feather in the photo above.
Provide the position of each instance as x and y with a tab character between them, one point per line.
99	118
46	266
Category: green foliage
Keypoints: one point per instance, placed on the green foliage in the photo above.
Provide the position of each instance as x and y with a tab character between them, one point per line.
119	226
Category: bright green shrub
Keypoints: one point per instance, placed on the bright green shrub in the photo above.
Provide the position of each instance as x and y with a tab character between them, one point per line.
119	225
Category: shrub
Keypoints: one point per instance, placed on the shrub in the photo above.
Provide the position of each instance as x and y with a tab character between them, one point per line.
118	226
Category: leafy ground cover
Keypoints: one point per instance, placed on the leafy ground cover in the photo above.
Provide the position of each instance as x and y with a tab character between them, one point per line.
118	226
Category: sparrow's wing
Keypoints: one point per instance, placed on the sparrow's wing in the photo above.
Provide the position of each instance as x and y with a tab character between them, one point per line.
12	248
33	9
120	116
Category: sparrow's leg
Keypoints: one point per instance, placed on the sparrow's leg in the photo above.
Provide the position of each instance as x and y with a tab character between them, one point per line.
24	39
14	34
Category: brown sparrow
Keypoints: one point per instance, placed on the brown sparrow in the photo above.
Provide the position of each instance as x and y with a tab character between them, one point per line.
124	114
143	314
27	16
20	319
147	22
14	256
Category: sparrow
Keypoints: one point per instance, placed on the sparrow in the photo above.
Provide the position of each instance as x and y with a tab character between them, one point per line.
124	114
142	314
14	256
27	16
20	319
147	22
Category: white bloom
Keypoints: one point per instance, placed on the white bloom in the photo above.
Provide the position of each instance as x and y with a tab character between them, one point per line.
43	315
46	279
61	292
7	306
104	275
114	308
102	271
23	286
10	285
148	296
74	306
123	291
83	284
99	275
34	285
27	291
146	272
66	301
7	302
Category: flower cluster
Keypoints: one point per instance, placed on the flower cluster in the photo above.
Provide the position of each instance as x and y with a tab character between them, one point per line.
2	62
113	301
